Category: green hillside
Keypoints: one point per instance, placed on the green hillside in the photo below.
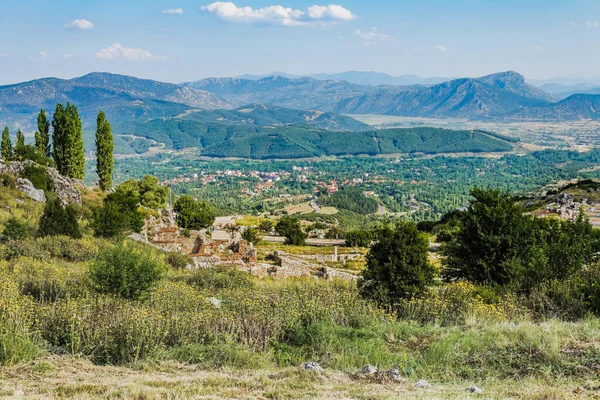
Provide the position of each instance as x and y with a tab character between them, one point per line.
299	142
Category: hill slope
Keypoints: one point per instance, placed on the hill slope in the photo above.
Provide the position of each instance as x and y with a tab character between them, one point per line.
121	97
573	108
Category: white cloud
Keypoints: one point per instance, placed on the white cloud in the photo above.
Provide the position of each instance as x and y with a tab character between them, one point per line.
173	11
3	55
115	51
592	24
43	55
67	56
443	49
370	38
278	15
332	11
82	24
573	23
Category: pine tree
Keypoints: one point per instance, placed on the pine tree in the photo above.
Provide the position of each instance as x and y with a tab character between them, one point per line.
42	136
69	153
6	146
104	152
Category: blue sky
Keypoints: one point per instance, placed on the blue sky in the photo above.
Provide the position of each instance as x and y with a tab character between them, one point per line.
185	40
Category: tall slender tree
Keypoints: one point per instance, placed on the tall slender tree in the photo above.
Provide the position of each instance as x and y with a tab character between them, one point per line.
42	136
67	141
104	152
20	142
6	146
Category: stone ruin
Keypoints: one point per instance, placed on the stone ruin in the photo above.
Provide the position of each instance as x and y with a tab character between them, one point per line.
205	247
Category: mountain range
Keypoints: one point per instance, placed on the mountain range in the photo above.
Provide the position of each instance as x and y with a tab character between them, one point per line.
487	97
277	102
359	78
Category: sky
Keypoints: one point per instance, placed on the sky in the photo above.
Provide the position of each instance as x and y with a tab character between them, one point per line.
184	40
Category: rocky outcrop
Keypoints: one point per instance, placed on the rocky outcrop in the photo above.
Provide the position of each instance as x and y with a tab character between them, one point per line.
65	188
25	186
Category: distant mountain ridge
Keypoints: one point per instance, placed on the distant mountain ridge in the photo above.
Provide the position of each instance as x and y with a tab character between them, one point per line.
475	98
359	77
121	97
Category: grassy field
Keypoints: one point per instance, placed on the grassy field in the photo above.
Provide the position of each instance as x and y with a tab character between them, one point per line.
63	337
67	377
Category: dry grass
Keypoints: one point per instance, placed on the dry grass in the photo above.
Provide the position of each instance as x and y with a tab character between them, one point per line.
67	377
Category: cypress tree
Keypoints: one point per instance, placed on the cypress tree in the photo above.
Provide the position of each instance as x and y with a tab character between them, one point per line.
58	137
42	136
58	220
6	146
104	152
69	153
20	143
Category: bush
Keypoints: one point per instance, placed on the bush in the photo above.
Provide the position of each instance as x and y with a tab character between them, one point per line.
359	238
7	180
58	220
119	214
29	152
17	342
178	261
266	225
496	244
38	176
290	228
14	229
192	214
251	235
128	271
397	266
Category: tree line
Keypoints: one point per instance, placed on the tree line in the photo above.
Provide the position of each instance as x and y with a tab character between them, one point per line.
64	147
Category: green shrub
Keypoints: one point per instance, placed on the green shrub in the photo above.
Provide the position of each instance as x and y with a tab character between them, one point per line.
220	278
17	342
7	180
38	176
178	261
251	235
192	214
70	249
15	229
119	214
58	220
126	270
290	228
397	265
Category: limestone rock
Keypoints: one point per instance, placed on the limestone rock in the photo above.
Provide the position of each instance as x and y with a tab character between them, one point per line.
394	374
65	188
474	389
369	370
214	301
422	384
25	186
312	366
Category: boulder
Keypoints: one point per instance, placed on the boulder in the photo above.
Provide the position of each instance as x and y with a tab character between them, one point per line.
311	366
25	186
